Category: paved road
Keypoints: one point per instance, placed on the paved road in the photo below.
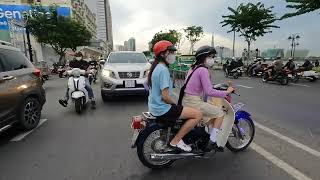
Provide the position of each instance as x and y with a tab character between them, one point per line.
96	145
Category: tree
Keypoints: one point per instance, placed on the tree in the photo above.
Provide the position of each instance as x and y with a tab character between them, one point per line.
251	21
193	34
301	7
172	35
59	32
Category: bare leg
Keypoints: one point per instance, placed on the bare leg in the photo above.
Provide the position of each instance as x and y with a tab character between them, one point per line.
194	116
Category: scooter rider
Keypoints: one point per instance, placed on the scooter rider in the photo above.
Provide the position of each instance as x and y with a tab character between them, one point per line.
276	67
290	65
160	103
94	63
200	83
80	63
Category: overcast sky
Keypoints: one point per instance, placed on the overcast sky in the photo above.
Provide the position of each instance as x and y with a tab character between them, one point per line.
141	19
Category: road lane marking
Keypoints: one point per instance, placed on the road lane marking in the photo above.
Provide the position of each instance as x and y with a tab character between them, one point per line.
248	87
284	138
279	163
23	135
302	85
289	140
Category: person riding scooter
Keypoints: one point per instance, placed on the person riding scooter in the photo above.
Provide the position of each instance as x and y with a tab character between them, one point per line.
306	66
290	66
276	67
78	62
199	82
94	63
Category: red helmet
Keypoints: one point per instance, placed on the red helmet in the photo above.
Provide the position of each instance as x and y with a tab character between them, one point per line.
162	46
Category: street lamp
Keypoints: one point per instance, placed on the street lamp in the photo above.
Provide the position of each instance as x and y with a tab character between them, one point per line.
294	38
234	37
221	48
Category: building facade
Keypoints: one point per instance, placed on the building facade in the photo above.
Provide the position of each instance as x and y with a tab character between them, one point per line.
104	23
82	13
132	44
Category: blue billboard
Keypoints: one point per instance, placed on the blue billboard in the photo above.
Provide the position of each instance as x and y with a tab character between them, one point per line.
17	11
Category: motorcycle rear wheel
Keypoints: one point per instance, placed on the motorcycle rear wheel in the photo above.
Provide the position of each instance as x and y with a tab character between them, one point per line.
78	105
153	138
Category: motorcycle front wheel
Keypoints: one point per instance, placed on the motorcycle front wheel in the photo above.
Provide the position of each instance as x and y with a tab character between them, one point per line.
241	135
151	143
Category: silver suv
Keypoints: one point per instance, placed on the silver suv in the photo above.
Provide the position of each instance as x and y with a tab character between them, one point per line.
124	73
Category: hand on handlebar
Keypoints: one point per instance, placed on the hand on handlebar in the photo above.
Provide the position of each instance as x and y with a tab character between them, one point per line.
230	90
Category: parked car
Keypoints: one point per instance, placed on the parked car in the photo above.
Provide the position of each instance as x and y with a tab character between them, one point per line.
21	93
124	73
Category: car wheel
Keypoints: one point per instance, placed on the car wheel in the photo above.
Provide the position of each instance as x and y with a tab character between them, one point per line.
30	114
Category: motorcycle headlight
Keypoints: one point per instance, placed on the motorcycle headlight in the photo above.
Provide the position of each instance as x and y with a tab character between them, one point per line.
145	74
108	73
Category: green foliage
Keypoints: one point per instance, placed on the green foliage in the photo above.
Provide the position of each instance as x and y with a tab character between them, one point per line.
59	32
172	35
250	20
193	34
301	7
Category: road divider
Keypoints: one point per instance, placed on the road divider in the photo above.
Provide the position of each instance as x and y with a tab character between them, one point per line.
23	135
289	140
248	87
279	163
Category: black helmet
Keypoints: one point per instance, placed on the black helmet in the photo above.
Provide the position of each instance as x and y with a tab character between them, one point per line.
205	50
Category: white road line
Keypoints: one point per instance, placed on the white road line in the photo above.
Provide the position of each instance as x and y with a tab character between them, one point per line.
302	85
284	138
23	135
289	140
248	87
278	162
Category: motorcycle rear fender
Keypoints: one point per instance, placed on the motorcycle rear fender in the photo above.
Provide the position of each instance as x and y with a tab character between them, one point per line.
241	115
77	94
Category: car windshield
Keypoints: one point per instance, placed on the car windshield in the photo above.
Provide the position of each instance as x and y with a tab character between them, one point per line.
127	58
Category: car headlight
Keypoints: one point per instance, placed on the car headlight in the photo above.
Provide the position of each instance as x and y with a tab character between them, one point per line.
145	74
108	73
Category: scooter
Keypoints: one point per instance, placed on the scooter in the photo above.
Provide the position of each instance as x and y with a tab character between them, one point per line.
62	72
311	76
281	77
77	91
151	136
235	73
92	74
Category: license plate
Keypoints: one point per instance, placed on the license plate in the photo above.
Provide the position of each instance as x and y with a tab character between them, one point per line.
129	84
134	137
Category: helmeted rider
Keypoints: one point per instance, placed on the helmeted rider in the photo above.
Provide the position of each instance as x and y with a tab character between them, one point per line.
290	65
160	103
80	63
200	83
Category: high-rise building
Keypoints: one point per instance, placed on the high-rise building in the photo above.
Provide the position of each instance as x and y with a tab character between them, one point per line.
105	22
132	44
126	45
82	13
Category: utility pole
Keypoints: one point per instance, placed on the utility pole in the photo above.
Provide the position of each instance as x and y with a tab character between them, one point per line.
234	37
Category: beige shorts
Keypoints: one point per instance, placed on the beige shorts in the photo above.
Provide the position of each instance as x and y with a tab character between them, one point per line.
208	110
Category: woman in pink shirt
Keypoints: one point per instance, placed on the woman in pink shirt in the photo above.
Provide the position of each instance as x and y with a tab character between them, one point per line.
200	84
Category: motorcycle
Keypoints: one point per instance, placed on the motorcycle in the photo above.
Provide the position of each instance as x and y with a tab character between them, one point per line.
235	73
311	76
151	137
92	74
77	91
62	72
281	77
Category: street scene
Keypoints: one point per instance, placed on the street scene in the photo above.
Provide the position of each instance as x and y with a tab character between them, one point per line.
83	99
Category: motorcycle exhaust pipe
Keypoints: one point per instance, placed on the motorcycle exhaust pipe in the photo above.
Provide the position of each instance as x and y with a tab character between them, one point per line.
160	157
